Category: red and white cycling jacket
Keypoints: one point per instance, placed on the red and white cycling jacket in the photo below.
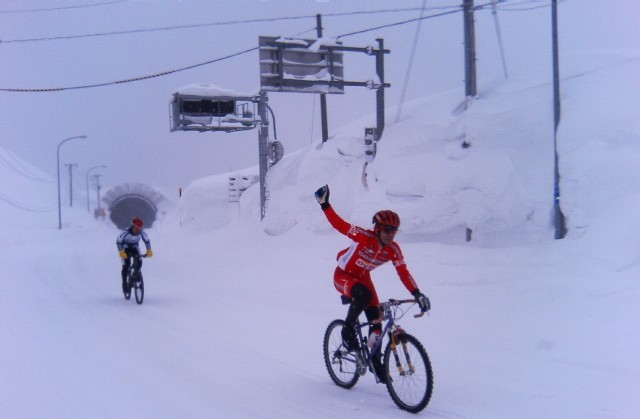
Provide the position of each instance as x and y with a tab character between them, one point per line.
365	253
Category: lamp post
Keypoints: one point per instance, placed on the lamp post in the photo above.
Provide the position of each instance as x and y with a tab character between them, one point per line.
58	169
102	166
97	191
71	166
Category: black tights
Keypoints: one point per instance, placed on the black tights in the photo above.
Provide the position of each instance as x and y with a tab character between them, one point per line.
128	261
361	296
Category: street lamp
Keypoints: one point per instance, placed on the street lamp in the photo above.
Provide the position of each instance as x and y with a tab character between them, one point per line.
98	192
102	166
58	169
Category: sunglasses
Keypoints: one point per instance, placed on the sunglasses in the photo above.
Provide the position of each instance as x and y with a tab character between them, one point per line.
388	229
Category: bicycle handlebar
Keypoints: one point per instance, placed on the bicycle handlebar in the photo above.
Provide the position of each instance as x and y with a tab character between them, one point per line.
393	302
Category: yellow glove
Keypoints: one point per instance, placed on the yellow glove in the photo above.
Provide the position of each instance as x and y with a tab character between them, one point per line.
122	254
149	253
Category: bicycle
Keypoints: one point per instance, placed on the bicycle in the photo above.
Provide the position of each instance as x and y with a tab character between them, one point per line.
409	376
133	279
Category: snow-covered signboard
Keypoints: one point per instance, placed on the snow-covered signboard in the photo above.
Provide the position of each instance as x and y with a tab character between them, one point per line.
300	65
207	107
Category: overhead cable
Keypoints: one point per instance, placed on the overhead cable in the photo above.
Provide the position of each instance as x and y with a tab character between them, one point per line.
164	73
456	9
202	25
60	8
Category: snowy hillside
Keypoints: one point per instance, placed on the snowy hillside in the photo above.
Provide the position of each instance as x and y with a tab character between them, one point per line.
27	193
522	326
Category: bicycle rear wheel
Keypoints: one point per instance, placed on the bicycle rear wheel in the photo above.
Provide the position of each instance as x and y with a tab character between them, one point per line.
340	363
409	373
139	288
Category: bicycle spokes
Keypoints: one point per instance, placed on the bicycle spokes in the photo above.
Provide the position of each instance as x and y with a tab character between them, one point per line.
407	356
411	381
405	368
340	363
408	368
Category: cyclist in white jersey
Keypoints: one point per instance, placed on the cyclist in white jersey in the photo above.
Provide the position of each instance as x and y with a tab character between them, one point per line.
128	243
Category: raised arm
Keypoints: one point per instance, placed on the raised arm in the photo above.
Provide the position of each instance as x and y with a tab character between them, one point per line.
322	196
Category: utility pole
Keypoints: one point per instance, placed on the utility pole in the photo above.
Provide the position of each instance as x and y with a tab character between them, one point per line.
559	221
380	91
58	175
263	150
469	50
323	96
71	166
102	166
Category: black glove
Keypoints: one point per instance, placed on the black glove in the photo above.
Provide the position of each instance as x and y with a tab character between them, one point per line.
322	196
422	300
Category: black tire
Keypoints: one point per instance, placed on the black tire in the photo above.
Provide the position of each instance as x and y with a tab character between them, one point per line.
340	363
139	289
127	288
411	383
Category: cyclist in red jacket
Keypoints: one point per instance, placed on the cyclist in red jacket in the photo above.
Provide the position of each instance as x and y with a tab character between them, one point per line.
352	278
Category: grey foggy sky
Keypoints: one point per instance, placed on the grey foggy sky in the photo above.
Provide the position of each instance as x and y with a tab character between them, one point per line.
128	124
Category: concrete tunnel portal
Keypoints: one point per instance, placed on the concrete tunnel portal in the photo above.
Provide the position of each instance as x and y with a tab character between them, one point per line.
132	200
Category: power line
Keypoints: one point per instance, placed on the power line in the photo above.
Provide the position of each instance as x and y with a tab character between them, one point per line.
456	9
248	21
20	169
59	8
17	204
167	28
514	7
202	25
408	73
164	73
130	80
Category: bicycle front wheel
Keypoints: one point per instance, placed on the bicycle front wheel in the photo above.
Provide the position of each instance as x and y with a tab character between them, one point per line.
340	363
139	289
409	373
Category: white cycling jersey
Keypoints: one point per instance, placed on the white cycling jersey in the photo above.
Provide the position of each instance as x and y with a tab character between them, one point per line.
128	240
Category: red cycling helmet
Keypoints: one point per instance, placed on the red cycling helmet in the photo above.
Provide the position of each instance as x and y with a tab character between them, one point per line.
386	218
137	221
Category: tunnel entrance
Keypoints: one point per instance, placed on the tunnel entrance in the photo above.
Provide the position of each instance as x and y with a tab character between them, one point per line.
131	206
133	200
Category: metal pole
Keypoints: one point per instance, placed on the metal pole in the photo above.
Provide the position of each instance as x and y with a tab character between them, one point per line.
263	153
87	180
380	91
71	166
98	191
558	217
58	171
323	96
469	50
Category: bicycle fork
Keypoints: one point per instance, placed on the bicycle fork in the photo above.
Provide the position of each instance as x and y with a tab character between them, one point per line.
393	338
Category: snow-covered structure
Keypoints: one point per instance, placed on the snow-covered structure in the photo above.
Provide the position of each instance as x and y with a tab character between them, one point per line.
129	200
207	107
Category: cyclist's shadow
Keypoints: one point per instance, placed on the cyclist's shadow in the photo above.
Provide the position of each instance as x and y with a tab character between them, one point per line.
156	301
